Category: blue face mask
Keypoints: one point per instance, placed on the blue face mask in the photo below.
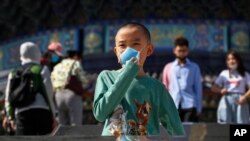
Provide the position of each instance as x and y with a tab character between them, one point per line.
128	54
54	58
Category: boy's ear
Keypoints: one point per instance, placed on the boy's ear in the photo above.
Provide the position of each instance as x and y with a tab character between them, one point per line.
114	49
150	50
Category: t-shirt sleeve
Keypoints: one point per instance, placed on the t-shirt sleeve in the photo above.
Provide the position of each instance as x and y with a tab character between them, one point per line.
220	79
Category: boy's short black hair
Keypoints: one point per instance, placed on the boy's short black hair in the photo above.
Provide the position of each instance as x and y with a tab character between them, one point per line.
181	41
135	24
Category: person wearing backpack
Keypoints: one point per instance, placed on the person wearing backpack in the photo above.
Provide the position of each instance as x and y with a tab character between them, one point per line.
29	96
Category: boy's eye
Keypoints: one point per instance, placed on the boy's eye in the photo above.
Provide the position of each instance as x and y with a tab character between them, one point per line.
122	46
136	44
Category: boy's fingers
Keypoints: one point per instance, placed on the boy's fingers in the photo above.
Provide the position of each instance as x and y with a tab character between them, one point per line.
133	59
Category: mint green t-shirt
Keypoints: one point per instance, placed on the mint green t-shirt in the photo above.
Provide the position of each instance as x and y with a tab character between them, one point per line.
142	100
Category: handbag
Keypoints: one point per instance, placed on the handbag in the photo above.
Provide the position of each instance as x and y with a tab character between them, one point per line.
73	83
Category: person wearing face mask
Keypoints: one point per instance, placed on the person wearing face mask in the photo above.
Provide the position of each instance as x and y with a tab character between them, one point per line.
53	56
182	78
128	100
232	84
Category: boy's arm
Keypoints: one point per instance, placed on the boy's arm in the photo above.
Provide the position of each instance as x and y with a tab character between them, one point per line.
198	89
108	97
169	116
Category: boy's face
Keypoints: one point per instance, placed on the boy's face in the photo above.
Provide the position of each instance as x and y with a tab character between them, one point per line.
181	52
135	38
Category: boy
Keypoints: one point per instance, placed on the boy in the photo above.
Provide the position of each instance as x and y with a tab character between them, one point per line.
142	101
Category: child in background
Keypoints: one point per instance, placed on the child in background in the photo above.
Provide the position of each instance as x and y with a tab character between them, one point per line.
232	84
143	100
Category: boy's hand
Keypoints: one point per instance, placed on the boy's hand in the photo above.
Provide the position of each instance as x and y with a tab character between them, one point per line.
136	60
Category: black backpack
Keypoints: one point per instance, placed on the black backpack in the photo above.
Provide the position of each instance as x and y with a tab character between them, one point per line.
25	83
